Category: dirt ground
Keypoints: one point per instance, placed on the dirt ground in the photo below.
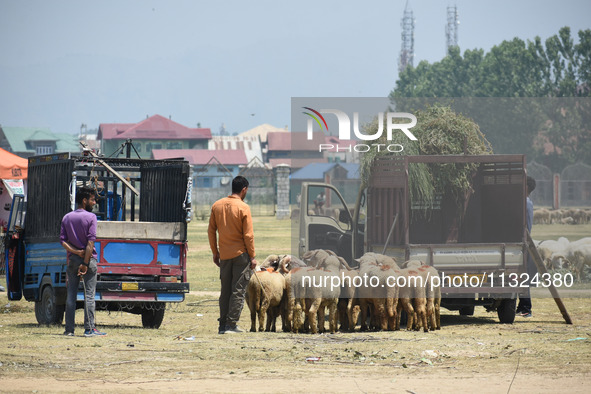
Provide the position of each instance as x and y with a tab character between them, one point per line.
476	353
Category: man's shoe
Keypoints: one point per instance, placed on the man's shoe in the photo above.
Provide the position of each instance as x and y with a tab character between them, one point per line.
94	333
233	330
526	314
68	334
221	330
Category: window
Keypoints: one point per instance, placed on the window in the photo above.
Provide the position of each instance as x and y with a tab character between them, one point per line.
174	145
44	149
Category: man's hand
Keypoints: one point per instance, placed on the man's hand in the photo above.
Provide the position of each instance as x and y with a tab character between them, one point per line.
253	264
82	269
216	259
80	252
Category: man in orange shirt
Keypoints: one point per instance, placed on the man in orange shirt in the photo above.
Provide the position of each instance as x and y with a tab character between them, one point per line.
231	219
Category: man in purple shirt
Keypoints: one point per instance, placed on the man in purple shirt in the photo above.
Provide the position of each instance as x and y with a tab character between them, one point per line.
77	235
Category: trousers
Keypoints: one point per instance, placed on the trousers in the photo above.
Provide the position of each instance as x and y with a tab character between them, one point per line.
72	292
235	274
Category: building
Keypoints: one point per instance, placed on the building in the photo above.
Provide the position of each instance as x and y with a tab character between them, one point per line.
344	176
250	144
294	149
153	133
31	141
211	168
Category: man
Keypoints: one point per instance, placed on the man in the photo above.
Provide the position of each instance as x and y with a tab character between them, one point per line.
524	307
231	219
77	235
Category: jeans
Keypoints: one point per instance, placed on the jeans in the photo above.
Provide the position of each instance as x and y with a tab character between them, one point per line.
234	274
72	289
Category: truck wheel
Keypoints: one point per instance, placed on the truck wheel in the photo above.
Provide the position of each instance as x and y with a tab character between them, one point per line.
506	311
46	310
467	310
152	318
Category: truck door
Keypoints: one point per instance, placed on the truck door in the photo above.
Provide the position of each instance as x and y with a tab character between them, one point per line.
325	221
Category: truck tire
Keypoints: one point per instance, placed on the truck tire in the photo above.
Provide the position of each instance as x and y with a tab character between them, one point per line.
152	318
506	311
46	309
467	310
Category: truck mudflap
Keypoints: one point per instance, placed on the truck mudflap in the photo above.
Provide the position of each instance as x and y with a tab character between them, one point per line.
138	291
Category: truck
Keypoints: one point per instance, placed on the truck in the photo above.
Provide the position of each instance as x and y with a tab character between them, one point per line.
479	250
143	207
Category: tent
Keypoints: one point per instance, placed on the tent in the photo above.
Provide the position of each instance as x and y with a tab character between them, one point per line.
12	166
13	173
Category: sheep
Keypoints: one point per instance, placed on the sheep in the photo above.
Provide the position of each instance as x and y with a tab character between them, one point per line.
272	261
545	254
313	295
382	297
555	216
581	256
541	216
348	306
433	293
265	292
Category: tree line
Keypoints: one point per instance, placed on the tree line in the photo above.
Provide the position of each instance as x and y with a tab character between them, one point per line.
529	97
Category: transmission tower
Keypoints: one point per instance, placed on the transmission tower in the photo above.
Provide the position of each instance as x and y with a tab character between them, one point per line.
407	51
451	29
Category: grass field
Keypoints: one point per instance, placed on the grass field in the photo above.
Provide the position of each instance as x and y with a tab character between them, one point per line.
475	353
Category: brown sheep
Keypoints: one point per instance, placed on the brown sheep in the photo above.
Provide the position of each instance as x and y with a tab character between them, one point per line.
433	293
348	305
377	294
413	299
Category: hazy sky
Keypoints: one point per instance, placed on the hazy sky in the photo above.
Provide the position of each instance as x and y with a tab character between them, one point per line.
64	63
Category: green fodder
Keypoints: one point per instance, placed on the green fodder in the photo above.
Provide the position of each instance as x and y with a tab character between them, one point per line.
439	131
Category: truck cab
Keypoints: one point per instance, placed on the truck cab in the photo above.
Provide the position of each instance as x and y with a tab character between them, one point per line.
476	247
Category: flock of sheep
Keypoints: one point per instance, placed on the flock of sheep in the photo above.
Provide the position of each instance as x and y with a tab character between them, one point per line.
562	216
282	286
563	254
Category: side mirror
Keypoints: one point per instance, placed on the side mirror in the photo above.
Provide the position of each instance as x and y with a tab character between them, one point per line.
344	216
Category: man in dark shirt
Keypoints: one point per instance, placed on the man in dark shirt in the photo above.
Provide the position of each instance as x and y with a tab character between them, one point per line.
77	235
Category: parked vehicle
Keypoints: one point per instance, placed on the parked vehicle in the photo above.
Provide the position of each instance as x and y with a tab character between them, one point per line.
479	246
141	238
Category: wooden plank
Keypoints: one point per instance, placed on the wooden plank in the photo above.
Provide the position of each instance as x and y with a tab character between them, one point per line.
108	167
533	251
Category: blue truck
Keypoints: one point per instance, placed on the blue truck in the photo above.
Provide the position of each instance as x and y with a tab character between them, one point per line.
143	210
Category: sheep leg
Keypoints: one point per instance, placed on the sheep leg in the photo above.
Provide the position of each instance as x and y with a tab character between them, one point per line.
312	315
251	302
363	306
332	316
321	316
381	323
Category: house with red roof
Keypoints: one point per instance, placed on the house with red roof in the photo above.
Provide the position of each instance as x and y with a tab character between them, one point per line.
211	168
153	133
295	150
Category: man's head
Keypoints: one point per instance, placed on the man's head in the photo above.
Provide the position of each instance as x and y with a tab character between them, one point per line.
240	186
531	185
85	198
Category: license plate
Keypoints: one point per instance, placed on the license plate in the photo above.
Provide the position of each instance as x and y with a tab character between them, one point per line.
127	286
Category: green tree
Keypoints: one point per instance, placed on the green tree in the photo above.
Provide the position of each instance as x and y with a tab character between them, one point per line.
514	69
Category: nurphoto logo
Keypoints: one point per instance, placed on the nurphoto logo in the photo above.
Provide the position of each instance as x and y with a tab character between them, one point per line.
344	128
